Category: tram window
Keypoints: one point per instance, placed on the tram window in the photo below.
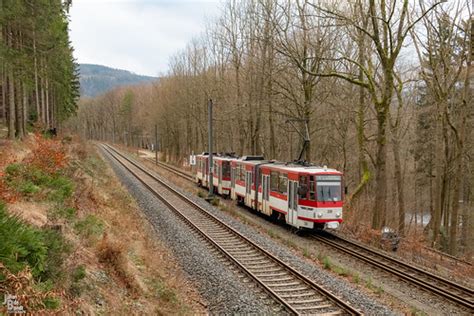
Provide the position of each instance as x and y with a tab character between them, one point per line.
303	188
312	191
241	173
283	184
329	191
274	179
226	169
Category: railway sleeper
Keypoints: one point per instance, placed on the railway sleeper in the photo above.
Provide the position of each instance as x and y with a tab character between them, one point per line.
315	300
270	275
306	294
286	284
295	289
280	279
306	308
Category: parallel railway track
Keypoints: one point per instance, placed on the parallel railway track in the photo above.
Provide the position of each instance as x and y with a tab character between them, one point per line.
423	279
295	292
172	169
432	283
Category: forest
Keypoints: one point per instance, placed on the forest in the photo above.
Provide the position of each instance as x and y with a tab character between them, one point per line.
385	86
38	75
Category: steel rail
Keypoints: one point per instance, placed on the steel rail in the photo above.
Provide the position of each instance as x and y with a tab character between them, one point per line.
342	305
374	258
172	169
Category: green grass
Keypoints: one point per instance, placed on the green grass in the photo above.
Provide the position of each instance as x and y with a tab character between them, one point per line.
163	292
327	263
356	278
30	181
92	164
52	302
90	226
62	189
215	201
58	250
340	271
22	245
28	188
416	312
79	273
62	212
271	233
379	290
306	253
369	284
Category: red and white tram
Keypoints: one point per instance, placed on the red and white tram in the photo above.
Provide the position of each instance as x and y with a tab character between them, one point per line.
220	172
305	196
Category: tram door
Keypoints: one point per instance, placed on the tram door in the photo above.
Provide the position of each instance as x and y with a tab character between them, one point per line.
265	194
248	188
219	178
206	174
292	202
232	182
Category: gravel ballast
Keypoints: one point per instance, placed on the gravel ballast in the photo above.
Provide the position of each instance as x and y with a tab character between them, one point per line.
220	286
223	289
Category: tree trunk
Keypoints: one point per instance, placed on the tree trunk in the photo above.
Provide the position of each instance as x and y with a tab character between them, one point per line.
43	101
19	109
25	108
4	96
37	100
378	218
399	181
47	113
440	183
11	106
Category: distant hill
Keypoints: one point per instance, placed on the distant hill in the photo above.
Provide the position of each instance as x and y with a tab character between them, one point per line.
97	79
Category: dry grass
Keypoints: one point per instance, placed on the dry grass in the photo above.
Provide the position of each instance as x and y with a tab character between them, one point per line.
128	251
125	270
113	255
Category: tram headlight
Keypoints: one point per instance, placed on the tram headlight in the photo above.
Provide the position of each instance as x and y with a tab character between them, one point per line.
338	214
320	215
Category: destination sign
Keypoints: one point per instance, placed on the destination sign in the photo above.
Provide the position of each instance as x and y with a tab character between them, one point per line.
328	178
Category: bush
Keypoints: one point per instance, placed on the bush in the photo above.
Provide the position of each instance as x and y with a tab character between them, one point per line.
58	249
113	254
21	244
62	189
27	188
14	169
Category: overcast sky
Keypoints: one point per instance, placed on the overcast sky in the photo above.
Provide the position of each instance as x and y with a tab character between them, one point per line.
136	35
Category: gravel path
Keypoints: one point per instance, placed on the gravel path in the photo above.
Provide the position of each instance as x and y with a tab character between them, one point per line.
209	270
225	291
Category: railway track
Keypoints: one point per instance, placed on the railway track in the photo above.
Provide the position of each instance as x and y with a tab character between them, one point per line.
435	284
295	292
172	169
429	282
